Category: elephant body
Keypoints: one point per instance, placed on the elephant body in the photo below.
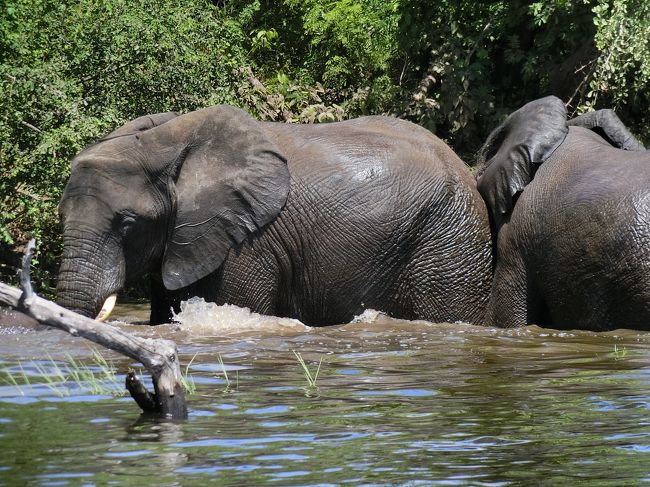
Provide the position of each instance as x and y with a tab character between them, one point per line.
573	248
377	213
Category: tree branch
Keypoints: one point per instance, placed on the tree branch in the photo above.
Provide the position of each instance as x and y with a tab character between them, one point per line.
159	356
25	279
30	126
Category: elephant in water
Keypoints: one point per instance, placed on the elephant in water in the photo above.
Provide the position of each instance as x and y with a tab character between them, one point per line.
314	222
570	210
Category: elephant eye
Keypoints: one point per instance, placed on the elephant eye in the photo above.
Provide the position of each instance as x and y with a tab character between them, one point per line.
125	223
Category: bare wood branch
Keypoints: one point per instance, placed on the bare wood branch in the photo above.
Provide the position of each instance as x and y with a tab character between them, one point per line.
583	82
25	279
159	356
476	43
139	392
30	126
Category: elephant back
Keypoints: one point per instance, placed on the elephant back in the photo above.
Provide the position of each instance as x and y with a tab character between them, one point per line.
371	149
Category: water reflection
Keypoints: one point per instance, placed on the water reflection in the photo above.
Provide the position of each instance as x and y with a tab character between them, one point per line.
399	403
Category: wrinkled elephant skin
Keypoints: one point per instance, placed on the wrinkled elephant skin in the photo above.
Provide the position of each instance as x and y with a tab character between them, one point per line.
315	222
570	208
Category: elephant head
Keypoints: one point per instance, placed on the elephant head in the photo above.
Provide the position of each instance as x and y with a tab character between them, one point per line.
510	156
513	152
165	193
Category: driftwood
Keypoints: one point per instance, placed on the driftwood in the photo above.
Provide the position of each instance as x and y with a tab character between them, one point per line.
159	356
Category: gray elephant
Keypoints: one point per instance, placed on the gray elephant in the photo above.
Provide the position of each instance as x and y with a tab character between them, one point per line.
570	209
314	222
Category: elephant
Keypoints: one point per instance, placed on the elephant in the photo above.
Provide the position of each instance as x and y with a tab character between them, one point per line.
315	222
569	205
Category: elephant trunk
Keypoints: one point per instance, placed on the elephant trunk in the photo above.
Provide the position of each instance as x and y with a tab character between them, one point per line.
91	270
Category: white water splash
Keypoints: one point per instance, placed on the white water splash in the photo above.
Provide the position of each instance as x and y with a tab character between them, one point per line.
369	316
198	316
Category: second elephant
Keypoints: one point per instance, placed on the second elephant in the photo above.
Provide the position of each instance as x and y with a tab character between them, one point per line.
315	222
570	209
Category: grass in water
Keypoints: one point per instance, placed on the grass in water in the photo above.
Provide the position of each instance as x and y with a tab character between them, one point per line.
11	380
228	387
102	382
187	381
98	378
312	388
53	377
619	353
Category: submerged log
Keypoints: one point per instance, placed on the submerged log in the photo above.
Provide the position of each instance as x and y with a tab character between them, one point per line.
159	356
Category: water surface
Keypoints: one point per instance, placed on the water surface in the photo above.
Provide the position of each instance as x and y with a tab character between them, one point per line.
397	403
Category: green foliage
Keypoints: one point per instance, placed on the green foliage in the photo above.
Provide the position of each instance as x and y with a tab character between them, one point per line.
452	61
620	76
477	61
346	46
283	100
350	40
70	71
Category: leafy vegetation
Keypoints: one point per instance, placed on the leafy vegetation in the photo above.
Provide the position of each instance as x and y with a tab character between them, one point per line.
71	71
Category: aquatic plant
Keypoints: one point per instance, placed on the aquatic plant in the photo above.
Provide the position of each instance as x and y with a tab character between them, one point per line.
225	375
11	380
53	376
99	378
619	353
311	379
101	382
187	381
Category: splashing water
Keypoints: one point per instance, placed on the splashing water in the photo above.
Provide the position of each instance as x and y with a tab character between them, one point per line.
198	316
370	316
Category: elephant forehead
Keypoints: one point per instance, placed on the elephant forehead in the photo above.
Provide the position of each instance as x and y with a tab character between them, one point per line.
86	209
92	189
104	184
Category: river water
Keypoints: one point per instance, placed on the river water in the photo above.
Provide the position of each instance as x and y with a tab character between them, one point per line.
395	403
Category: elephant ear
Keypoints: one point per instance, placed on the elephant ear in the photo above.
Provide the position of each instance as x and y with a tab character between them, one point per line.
227	180
140	124
607	124
513	151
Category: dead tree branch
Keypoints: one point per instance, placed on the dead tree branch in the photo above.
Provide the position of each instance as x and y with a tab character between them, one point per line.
30	126
159	356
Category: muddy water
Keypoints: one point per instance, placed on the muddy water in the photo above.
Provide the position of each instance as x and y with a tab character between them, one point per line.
396	403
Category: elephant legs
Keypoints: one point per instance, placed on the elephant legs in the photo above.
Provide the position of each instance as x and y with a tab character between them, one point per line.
163	302
514	300
246	280
443	286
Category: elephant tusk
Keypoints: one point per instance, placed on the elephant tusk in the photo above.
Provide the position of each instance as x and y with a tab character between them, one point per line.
107	307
